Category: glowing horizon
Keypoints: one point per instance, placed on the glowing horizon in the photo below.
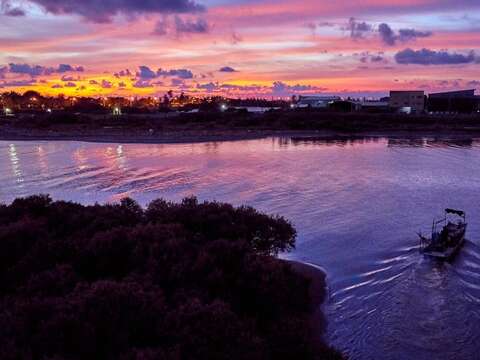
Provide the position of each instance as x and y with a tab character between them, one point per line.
238	48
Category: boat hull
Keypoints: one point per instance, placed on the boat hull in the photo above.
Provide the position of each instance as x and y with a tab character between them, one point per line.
445	255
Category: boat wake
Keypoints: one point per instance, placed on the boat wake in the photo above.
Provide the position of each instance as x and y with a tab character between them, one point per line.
406	306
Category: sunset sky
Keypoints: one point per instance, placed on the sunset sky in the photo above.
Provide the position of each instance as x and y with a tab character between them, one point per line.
238	48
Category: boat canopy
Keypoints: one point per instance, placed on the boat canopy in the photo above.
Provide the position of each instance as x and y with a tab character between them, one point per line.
457	212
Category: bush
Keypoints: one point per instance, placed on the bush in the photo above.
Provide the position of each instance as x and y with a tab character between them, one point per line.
174	281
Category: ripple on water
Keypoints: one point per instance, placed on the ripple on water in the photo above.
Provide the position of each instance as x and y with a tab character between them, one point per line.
420	308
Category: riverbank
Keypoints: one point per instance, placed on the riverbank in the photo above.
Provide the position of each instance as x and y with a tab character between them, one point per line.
318	292
318	281
200	136
211	127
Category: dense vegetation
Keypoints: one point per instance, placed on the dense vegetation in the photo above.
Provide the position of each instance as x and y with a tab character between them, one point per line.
173	281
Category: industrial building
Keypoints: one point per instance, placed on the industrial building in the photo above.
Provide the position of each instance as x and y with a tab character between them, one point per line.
463	101
371	106
315	101
407	101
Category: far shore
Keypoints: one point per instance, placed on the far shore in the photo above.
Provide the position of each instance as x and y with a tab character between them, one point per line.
216	127
203	136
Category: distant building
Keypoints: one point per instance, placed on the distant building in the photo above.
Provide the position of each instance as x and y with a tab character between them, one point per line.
463	101
370	106
407	101
257	109
374	106
345	106
314	101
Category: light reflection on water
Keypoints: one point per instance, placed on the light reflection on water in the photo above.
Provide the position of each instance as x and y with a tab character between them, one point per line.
356	203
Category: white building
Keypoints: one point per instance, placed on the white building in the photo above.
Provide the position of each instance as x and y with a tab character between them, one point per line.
314	101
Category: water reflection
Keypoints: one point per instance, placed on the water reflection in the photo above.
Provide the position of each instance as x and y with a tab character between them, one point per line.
391	142
335	140
15	165
433	142
356	202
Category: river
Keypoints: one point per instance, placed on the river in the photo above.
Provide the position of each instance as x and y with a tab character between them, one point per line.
356	204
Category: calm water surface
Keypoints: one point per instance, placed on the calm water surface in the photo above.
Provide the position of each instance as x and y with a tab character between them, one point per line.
356	205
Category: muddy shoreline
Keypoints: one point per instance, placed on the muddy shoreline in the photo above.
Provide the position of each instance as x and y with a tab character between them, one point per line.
197	136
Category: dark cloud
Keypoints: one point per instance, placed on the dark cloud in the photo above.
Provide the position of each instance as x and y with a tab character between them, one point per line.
37	70
278	88
180	73
281	88
236	38
209	87
179	26
142	84
177	82
14	12
70	84
7	9
366	57
106	84
69	78
312	26
411	34
227	69
122	84
93	82
377	58
432	57
357	29
32	70
249	88
212	87
57	86
198	26
147	73
123	73
389	37
326	24
3	71
102	11
16	83
161	28
386	34
63	68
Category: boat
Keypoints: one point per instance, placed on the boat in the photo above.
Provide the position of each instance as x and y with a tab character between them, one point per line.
446	243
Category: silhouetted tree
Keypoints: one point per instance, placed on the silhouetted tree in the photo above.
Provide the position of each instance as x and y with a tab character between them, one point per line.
175	281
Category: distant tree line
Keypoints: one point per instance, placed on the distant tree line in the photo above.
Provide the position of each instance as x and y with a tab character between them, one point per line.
34	102
172	281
